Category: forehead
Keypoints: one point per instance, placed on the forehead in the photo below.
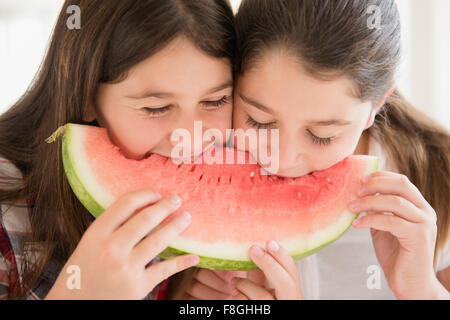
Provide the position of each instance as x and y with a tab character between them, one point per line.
278	81
179	67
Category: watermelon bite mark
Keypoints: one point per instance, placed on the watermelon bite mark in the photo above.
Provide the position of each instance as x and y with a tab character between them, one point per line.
233	206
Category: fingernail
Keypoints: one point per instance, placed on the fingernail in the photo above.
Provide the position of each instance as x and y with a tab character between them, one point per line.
176	200
361	191
240	274
354	205
185	217
365	179
194	260
257	251
273	246
158	195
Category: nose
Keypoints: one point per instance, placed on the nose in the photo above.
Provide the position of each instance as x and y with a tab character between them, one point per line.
290	152
190	129
289	157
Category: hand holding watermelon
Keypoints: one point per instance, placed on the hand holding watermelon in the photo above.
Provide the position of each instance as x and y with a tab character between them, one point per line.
404	242
276	266
208	284
233	205
114	254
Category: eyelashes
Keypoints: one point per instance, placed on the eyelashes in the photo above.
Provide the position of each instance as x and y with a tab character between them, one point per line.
157	111
315	139
209	104
253	123
217	103
320	141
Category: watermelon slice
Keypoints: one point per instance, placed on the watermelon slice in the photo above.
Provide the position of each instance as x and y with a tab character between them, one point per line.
232	205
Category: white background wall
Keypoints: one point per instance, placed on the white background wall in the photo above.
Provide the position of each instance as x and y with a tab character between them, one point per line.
424	77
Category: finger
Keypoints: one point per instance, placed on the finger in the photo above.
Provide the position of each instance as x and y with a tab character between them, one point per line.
253	291
275	273
395	184
124	207
155	243
200	291
368	213
283	258
142	223
160	271
239	296
212	280
257	276
188	297
389	203
398	227
228	275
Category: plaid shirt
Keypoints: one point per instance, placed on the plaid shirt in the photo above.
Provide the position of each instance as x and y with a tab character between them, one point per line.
14	229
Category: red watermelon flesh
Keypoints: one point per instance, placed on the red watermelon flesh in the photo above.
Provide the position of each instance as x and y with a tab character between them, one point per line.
232	205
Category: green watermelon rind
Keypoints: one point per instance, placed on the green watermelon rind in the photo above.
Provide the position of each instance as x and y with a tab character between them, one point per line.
83	195
222	264
96	209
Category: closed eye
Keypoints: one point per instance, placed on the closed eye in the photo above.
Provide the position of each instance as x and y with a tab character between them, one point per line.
157	111
253	123
217	103
320	141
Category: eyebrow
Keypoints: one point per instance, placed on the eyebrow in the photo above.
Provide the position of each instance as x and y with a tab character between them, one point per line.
311	123
256	104
330	123
162	95
224	86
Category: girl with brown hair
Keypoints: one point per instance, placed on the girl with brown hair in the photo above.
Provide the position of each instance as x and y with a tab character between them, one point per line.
140	69
322	74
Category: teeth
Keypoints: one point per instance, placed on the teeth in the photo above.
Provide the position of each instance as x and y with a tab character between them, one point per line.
195	157
264	172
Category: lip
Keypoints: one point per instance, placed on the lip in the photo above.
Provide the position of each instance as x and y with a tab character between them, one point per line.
286	173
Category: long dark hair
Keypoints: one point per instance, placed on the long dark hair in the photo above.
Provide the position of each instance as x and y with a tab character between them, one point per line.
114	36
331	38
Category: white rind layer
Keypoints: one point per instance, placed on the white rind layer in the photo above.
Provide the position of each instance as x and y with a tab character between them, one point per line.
221	255
83	168
295	246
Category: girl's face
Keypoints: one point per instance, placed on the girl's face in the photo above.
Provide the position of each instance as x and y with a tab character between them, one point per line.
168	91
320	122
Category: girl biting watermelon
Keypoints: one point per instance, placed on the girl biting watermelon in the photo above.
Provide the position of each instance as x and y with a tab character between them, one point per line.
325	78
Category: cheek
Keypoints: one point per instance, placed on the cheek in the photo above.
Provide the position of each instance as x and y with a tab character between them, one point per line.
222	119
239	119
338	150
135	139
134	134
219	120
240	122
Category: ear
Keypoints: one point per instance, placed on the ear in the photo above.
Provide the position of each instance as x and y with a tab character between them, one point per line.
89	114
374	111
